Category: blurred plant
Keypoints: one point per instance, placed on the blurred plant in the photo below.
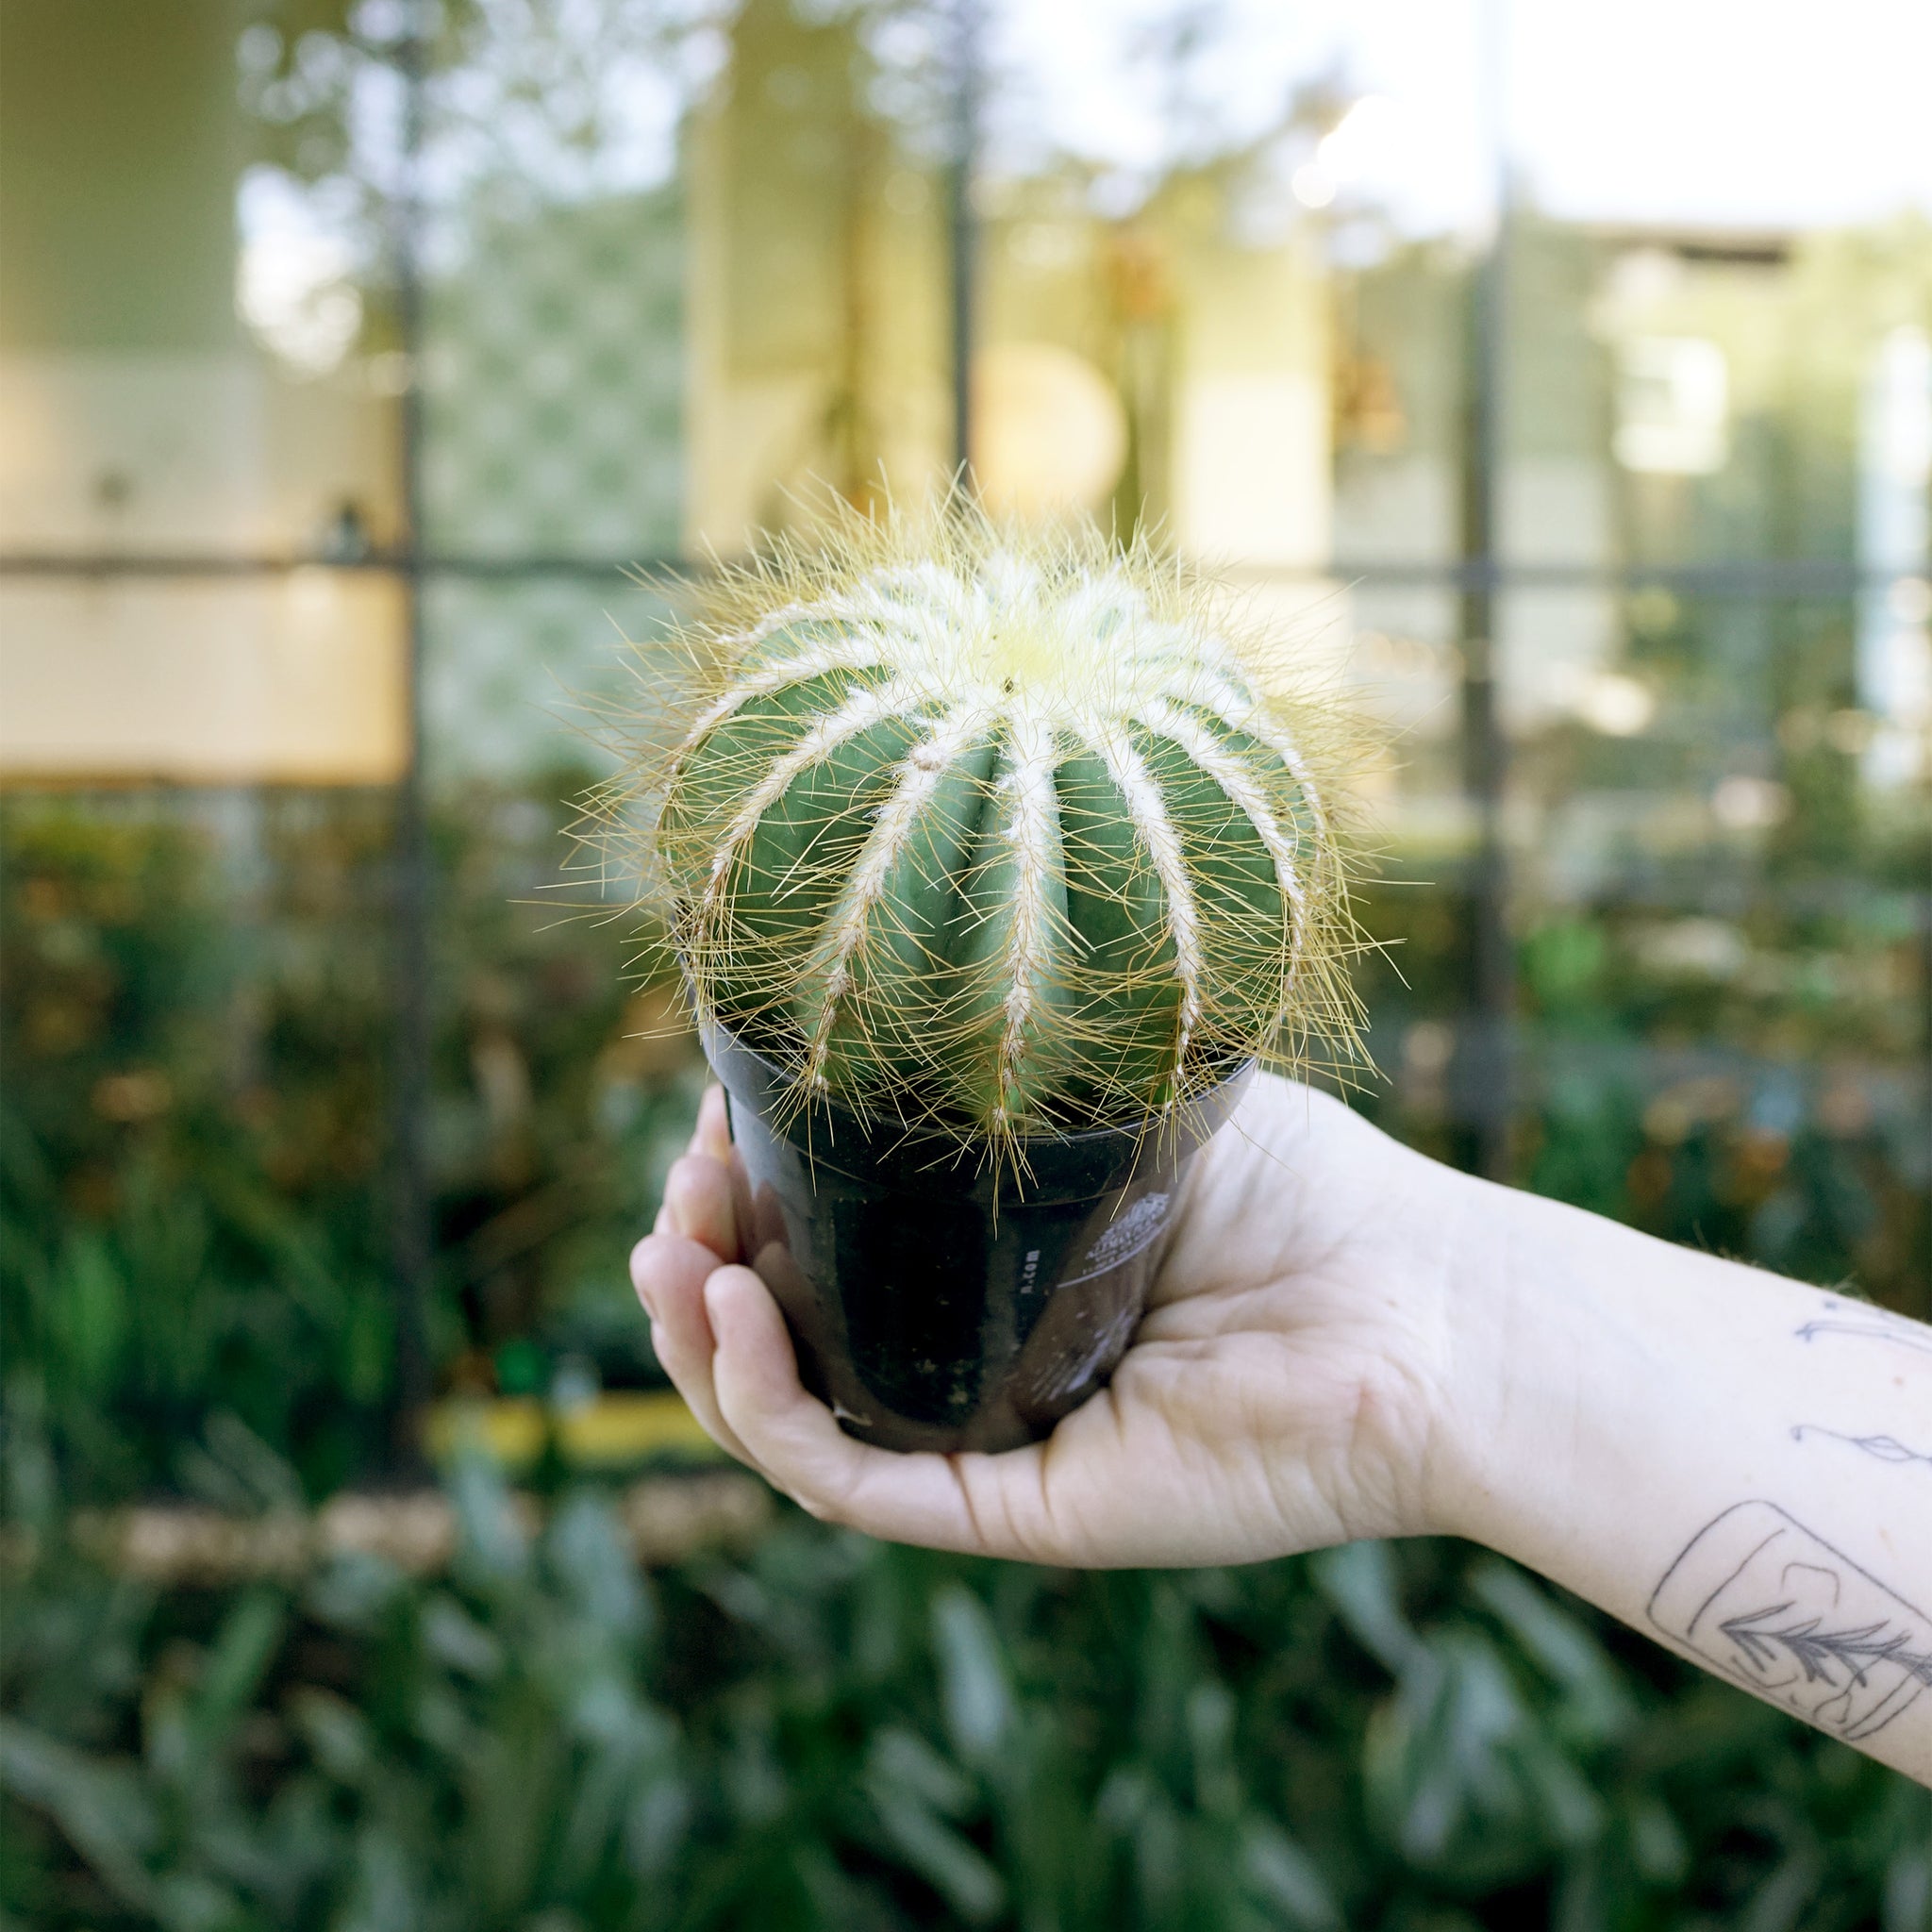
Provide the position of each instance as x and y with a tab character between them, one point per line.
837	1732
1753	1084
193	1220
190	1131
562	1090
827	1732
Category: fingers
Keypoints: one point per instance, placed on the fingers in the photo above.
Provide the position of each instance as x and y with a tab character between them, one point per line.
721	1340
713	1133
669	1272
698	1190
1103	1491
698	1203
987	1504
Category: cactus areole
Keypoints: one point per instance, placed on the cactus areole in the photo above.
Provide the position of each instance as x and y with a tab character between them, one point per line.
981	845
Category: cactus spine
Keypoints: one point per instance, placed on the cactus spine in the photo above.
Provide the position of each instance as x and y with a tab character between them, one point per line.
968	830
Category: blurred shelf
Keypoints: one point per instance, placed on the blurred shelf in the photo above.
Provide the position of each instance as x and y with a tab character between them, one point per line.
614	1430
664	1519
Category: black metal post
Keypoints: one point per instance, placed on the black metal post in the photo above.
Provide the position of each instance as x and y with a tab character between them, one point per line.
1485	1073
962	224
1924	1245
413	1236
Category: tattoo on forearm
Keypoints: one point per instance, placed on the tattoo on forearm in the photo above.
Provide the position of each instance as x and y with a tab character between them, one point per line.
1886	1448
1769	1605
1862	1321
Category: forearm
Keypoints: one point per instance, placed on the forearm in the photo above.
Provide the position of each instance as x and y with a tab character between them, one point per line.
1737	1465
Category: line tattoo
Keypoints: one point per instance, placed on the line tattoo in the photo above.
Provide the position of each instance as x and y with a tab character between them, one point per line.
1866	1321
1886	1448
1772	1606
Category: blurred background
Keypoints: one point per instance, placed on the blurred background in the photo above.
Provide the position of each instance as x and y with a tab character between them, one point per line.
1561	376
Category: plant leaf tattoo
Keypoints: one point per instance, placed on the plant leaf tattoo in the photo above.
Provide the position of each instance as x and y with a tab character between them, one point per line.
1886	1448
1862	1321
1775	1607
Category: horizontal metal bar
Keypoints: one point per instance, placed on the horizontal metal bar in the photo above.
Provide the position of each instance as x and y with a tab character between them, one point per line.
1728	578
1731	578
381	562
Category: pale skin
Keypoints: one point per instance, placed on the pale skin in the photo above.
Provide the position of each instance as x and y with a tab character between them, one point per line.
1346	1340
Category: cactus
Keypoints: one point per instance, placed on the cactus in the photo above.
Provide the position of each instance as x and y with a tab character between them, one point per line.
1003	834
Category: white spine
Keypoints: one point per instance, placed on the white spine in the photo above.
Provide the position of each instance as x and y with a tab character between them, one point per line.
1208	756
1147	809
848	654
915	781
1238	711
1029	835
858	712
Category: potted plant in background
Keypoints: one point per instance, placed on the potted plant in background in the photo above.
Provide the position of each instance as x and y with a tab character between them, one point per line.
991	864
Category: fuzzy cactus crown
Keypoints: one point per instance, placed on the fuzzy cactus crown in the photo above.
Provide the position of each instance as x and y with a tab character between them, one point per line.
995	834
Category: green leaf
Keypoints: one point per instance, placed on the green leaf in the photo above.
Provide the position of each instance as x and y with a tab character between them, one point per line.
1602	1706
187	1902
336	1732
1445	1764
1210	1712
102	1806
455	1638
952	1866
1782	1902
492	1543
1657	1850
1287	1878
1360	1580
90	1312
900	1760
1908	1906
594	1562
250	1635
976	1698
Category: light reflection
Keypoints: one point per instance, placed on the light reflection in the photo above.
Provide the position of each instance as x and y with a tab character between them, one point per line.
1616	706
1050	435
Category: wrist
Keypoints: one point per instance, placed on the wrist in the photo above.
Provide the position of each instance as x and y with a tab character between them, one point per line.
1530	1340
1581	1352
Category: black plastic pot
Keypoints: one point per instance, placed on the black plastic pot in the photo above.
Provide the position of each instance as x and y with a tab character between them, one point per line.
936	1304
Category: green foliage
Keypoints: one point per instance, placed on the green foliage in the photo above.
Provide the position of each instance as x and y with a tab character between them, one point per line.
827	1732
834	1732
194	1219
1739	1082
190	1213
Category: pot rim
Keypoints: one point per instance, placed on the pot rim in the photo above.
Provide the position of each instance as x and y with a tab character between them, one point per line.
888	1144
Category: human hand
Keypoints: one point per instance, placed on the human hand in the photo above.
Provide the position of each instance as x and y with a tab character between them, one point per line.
1282	1392
1345	1339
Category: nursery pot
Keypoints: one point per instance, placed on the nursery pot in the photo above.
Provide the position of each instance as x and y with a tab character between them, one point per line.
935	1302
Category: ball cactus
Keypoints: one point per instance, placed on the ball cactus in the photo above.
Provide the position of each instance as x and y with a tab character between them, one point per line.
967	830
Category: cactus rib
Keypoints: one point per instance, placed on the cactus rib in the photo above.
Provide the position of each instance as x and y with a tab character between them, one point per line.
780	676
824	737
1147	813
1168	721
919	776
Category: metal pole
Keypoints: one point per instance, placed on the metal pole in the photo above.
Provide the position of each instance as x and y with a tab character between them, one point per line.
963	228
1922	1245
414	1237
1486	1083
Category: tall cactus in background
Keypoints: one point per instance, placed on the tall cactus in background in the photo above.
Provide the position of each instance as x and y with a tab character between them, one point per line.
1008	836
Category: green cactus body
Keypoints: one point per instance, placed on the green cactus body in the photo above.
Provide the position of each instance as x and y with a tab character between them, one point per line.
994	842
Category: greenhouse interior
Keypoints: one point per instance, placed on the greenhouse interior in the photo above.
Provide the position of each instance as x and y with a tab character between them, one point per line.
371	370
